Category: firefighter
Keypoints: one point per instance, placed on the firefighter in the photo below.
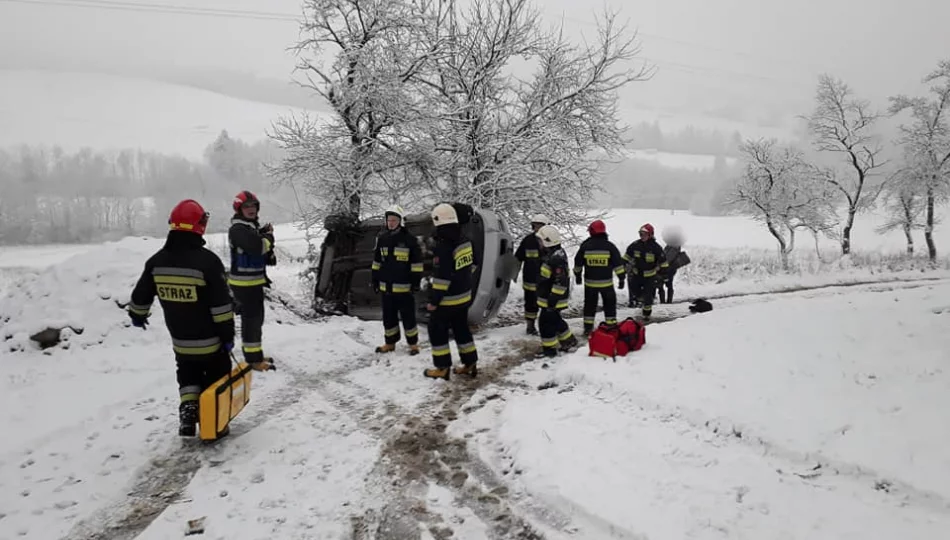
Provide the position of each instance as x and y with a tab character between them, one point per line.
397	271
528	254
598	259
554	290
191	286
646	260
450	296
252	250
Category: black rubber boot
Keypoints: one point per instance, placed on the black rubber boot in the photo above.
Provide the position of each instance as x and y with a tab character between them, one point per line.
188	419
570	345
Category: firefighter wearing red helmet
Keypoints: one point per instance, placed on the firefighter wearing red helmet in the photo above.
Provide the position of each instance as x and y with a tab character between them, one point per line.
252	251
190	283
598	260
646	259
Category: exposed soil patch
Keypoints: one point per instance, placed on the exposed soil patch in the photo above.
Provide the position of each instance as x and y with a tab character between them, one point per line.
420	451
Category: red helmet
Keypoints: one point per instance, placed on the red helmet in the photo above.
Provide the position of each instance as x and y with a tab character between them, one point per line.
188	216
245	198
597	227
647	228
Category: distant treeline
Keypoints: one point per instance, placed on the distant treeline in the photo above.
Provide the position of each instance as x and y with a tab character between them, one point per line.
50	196
689	140
639	183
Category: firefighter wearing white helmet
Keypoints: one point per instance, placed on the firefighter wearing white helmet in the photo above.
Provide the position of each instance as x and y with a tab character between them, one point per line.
554	290
529	255
397	272
444	214
450	296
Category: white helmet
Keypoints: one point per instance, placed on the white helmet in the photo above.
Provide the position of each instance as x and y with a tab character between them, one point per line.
549	236
540	218
396	210
444	214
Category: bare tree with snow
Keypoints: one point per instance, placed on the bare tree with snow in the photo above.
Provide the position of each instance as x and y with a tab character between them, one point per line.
844	124
377	48
783	191
926	141
426	108
904	202
527	144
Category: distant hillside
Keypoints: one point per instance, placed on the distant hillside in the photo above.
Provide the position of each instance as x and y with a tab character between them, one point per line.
74	110
226	82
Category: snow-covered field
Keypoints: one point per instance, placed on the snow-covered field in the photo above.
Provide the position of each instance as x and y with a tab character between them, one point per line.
812	414
815	415
77	110
696	162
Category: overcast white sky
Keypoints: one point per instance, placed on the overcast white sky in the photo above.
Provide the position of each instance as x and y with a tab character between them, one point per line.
728	52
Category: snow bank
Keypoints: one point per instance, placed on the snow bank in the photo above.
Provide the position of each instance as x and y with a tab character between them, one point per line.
84	287
82	293
814	416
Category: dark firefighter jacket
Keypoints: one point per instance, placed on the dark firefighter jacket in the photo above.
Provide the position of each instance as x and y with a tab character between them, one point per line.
645	258
529	254
554	288
397	261
250	250
191	286
453	266
599	259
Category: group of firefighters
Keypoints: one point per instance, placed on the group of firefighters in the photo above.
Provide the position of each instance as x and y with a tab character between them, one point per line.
199	299
546	279
397	275
645	265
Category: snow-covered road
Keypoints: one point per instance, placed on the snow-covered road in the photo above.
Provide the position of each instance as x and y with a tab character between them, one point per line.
812	414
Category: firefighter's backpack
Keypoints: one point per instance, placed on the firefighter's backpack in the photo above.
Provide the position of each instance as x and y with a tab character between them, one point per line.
222	401
613	340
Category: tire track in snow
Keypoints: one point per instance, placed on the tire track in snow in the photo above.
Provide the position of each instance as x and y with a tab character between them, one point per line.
420	451
162	481
423	451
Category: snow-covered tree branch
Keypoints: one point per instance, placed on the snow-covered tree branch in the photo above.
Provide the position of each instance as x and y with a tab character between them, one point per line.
780	189
926	142
844	124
